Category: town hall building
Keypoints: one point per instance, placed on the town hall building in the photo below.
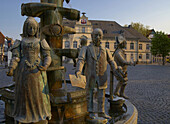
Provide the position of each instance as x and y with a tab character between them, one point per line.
137	47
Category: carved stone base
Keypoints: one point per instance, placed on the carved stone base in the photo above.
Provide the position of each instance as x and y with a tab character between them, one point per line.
97	120
117	105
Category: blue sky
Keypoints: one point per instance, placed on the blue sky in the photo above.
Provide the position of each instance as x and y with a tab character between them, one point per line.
154	13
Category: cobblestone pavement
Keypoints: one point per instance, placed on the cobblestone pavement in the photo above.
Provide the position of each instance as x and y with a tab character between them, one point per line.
148	89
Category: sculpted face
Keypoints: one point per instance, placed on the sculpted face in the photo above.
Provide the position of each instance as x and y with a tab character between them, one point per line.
123	45
31	29
122	41
83	42
97	36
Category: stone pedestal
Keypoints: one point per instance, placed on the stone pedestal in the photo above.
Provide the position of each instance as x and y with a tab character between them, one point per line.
117	105
97	120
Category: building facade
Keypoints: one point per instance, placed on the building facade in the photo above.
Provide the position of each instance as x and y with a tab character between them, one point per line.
137	47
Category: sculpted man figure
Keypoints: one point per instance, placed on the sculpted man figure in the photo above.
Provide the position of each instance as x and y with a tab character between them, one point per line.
83	42
119	57
32	102
96	58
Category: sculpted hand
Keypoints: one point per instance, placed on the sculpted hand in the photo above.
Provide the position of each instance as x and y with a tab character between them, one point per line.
133	63
10	72
42	68
78	73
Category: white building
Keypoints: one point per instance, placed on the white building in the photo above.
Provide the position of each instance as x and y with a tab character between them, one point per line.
137	48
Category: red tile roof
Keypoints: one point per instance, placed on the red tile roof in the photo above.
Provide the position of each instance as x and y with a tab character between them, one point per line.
2	38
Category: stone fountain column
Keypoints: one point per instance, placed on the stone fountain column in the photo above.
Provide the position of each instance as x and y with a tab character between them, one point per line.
51	13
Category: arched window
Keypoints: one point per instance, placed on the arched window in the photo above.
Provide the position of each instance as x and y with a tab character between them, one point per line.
83	36
140	56
147	56
115	45
75	44
131	46
107	45
67	44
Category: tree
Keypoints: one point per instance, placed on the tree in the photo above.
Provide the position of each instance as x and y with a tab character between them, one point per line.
160	45
140	28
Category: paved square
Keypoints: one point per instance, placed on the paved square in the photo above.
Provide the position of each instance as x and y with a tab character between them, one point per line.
148	89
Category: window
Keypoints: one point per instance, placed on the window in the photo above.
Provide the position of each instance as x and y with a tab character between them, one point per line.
95	23
75	44
140	56
140	46
147	56
67	44
115	45
131	46
83	29
125	56
147	46
125	46
107	45
104	31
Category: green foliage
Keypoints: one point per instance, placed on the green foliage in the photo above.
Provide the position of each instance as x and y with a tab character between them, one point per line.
140	28
160	44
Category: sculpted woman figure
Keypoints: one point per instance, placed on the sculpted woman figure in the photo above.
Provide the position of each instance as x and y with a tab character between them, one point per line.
30	60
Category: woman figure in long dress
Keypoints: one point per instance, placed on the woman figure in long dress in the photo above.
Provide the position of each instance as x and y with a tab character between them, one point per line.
30	60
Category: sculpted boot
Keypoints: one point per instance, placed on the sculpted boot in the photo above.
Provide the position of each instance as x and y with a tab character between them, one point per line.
116	93
101	105
122	90
104	115
90	104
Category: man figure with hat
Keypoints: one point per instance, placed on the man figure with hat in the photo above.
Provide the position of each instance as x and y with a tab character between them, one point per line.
119	57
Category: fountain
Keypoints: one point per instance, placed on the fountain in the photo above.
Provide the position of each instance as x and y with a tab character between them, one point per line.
69	104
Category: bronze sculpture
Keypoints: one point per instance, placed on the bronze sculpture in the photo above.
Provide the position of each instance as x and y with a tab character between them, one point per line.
32	101
96	58
119	57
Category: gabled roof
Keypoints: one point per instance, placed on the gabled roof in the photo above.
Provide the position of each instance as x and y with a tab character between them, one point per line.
2	38
111	29
137	34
